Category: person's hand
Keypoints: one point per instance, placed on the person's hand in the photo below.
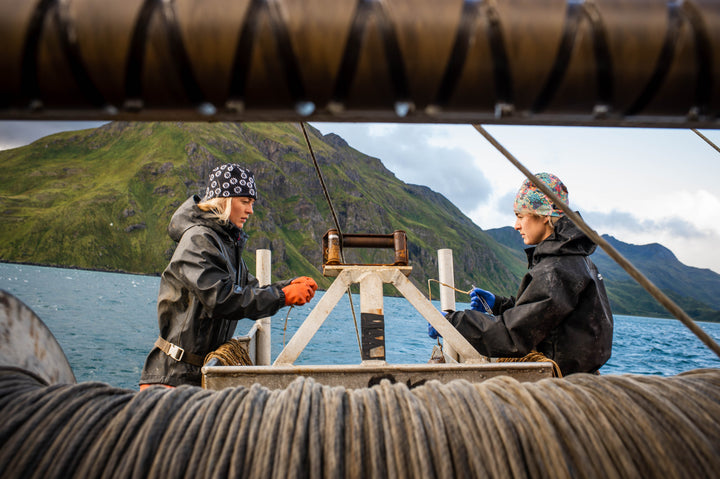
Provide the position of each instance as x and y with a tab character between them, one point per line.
299	293
476	302
307	280
432	332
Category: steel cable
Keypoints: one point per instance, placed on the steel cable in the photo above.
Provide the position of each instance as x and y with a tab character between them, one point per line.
579	426
706	139
337	225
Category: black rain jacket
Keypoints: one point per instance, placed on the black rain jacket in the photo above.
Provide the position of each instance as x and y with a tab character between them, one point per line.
561	309
204	291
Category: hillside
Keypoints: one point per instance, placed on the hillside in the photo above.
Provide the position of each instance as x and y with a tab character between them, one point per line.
696	290
102	198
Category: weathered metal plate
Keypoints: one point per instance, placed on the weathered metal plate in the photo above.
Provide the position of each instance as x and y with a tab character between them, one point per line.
361	376
26	343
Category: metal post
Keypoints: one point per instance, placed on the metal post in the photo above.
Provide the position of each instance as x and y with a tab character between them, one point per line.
263	338
446	275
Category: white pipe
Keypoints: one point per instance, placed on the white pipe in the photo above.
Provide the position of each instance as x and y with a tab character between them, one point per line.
263	339
446	275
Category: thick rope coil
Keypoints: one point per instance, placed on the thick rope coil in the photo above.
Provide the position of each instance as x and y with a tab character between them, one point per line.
534	357
579	426
231	353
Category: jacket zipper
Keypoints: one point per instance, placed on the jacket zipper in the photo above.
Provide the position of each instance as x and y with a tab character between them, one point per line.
238	263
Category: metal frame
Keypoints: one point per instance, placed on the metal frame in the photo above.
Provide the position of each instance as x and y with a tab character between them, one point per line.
371	279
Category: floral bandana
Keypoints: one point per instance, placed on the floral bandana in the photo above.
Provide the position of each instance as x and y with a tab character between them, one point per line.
230	180
530	198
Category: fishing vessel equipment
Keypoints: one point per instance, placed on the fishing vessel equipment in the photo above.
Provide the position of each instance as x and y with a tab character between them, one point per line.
651	63
553	62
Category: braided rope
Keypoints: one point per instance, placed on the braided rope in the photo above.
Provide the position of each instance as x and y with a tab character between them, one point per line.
579	426
231	353
534	357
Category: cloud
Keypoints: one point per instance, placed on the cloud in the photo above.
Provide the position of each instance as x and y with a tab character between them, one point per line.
14	134
506	202
623	221
692	244
413	155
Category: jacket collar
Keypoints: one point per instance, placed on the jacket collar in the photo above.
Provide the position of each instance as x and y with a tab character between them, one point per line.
566	239
189	215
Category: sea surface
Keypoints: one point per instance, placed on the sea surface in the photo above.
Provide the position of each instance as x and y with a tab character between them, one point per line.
106	324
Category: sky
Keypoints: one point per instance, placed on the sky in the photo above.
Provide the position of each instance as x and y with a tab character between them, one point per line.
639	185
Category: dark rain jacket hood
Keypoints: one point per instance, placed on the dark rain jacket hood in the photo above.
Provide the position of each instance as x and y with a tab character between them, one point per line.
204	291
561	308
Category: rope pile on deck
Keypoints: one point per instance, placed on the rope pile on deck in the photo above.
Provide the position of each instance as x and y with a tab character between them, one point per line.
231	353
579	426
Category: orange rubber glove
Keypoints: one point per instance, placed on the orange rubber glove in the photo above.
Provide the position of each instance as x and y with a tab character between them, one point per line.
307	280
298	293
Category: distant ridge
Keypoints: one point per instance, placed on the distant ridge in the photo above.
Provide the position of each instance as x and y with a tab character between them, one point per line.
696	290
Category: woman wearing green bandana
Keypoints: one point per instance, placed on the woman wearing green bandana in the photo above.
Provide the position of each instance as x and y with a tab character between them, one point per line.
561	309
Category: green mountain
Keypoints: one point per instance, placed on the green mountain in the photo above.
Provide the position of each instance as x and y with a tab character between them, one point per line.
695	290
102	199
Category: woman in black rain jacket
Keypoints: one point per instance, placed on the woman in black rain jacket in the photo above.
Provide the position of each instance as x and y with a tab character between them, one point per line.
207	288
561	309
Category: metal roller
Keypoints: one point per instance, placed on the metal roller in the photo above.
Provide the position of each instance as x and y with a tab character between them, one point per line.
28	345
593	62
334	242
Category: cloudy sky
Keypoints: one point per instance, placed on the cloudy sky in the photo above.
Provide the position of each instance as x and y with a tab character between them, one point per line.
638	185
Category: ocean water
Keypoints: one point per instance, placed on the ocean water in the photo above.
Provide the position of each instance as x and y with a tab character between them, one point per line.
106	323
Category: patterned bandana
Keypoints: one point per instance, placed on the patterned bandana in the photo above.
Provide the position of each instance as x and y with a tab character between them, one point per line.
530	198
230	180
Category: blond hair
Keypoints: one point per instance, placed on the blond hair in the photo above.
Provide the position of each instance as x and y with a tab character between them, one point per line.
219	207
553	219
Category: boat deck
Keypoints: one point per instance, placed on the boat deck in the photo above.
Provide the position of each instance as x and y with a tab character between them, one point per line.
366	375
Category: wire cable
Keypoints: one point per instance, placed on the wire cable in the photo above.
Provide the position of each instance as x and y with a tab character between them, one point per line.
707	140
337	226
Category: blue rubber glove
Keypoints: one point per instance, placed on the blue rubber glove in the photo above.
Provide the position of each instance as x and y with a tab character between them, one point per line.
432	332
476	303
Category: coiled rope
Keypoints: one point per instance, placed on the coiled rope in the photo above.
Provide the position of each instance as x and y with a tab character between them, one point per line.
534	357
580	426
231	353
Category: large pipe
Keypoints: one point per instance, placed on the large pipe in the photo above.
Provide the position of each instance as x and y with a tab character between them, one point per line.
592	62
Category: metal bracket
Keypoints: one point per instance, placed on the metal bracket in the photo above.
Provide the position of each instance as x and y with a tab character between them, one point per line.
176	352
